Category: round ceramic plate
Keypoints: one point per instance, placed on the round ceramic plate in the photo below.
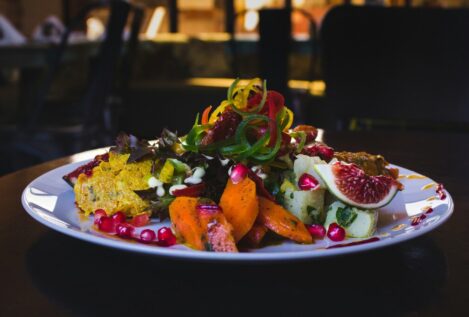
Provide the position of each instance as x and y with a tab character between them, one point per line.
50	200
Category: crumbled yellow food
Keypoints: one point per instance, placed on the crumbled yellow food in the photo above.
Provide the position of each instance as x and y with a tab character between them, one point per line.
111	186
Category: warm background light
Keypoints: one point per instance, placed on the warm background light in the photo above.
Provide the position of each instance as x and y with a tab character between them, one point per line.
94	28
155	22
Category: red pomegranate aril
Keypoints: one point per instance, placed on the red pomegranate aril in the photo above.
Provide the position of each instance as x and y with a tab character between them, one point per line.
335	232
441	194
316	231
238	173
417	220
323	151
124	230
106	224
166	237
429	210
147	236
98	213
326	153
308	182
140	220
118	217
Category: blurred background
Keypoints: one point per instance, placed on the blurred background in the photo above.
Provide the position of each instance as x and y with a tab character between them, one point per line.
75	72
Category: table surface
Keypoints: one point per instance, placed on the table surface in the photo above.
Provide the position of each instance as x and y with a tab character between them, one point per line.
48	274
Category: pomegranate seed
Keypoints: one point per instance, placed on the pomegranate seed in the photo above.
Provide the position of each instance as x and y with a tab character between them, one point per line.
326	153
316	231
124	230
335	232
439	187
429	210
166	237
106	224
441	194
118	217
323	151
98	213
308	182
417	220
238	173
140	220
147	236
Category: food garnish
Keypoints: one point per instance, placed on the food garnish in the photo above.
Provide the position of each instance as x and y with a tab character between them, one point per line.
242	175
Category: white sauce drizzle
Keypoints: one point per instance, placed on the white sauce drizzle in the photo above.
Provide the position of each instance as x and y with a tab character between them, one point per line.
196	177
176	187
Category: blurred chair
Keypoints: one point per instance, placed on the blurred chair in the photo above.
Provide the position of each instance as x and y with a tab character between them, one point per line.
396	67
274	48
44	135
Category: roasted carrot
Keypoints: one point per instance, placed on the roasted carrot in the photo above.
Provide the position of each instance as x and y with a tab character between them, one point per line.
280	221
240	206
254	237
201	230
186	222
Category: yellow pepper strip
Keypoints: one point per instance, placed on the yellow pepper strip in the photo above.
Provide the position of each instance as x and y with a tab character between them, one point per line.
167	172
287	185
220	109
239	97
178	148
290	119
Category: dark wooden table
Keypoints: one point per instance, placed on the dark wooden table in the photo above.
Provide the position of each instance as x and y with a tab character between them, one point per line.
44	273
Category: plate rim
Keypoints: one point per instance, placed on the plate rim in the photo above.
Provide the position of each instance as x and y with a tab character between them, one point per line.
229	257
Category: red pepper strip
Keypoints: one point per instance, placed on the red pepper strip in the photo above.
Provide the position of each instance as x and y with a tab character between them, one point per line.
273	132
191	191
205	115
261	191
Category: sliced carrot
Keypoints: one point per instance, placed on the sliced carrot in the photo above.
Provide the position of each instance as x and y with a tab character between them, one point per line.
254	237
240	206
205	115
201	230
280	221
186	222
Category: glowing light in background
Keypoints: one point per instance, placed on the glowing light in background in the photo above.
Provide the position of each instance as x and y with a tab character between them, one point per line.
94	28
299	3
155	22
251	19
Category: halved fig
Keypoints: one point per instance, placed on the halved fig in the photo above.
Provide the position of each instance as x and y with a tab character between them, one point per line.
352	186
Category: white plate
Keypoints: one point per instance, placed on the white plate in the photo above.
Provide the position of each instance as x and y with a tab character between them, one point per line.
49	200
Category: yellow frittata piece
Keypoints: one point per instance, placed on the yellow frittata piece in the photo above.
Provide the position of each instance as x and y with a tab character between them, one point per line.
111	186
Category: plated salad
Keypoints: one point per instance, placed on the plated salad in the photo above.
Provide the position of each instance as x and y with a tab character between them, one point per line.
243	177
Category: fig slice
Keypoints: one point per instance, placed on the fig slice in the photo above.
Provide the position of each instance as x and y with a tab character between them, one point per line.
352	186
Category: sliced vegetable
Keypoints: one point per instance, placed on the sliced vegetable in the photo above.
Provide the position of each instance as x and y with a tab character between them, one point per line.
140	220
308	206
356	222
167	172
186	222
205	115
280	221
179	167
254	237
240	206
192	191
